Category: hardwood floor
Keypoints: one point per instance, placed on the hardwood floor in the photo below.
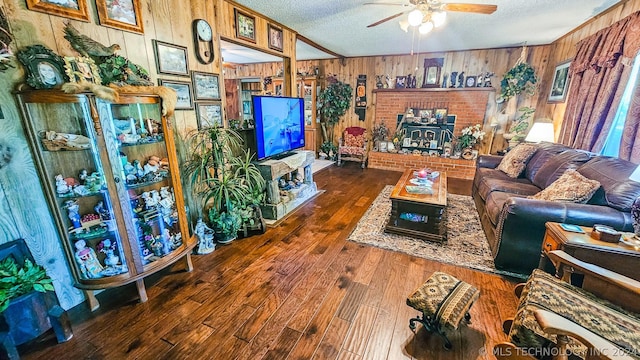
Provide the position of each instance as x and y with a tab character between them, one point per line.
299	291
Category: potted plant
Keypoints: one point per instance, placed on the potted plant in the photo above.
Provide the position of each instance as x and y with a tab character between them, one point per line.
223	179
518	80
16	281
333	102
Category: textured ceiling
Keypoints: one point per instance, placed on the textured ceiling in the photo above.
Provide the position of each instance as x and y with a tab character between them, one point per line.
341	25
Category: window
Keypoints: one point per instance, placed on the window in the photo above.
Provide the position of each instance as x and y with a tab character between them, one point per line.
614	138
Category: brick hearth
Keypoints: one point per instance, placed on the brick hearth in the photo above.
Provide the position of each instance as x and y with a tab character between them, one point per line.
455	168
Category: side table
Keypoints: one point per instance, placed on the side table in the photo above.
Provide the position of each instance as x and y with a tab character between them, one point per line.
617	257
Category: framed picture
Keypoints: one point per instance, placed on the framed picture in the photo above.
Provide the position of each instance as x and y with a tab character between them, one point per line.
44	68
73	9
246	107
206	86
440	115
245	26
401	82
275	38
183	89
81	68
470	81
120	14
425	113
560	83
209	114
171	59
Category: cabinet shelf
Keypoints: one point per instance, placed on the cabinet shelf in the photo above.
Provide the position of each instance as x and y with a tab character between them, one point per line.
105	250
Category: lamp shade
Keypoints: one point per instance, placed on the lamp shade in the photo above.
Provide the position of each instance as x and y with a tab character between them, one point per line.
540	131
415	17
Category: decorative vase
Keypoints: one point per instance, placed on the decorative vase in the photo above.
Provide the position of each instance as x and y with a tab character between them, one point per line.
635	215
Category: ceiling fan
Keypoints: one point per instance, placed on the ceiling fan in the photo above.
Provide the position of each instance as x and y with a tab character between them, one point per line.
431	13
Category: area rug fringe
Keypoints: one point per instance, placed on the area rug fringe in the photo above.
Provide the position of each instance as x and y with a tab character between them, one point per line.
466	243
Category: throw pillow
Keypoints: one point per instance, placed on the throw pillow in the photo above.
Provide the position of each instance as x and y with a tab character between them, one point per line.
515	161
571	187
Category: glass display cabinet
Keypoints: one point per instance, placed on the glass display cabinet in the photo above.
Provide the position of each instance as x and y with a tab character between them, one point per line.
111	178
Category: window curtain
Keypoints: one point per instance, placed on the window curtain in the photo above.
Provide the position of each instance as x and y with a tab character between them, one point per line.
599	73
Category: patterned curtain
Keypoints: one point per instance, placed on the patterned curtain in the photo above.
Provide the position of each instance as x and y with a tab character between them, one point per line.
599	72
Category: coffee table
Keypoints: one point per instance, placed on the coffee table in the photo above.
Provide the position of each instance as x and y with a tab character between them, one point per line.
419	215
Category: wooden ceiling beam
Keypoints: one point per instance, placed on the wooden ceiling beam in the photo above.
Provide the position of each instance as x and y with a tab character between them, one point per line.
319	47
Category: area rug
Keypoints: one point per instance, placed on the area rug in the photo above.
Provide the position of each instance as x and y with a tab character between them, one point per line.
466	243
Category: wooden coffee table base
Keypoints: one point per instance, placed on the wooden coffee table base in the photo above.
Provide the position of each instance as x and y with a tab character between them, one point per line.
427	212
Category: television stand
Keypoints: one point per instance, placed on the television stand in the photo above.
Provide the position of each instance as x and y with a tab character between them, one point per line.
277	206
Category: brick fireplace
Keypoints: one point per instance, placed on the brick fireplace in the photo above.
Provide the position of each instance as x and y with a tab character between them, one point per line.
468	104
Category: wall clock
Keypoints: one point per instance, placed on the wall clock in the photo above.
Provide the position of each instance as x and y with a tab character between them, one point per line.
203	39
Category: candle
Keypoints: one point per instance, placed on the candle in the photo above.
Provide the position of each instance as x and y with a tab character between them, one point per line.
133	126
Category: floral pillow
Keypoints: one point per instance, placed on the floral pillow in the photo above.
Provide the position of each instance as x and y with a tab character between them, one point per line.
570	187
515	161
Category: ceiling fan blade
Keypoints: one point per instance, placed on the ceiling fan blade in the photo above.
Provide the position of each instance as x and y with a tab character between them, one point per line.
386	19
385	3
474	8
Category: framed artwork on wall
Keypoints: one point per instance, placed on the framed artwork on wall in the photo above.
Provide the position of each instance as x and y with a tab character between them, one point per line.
72	9
206	86
120	14
183	89
560	83
81	68
209	114
44	68
245	26
171	59
440	115
275	38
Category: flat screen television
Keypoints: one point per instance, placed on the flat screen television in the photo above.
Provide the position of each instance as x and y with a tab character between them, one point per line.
279	125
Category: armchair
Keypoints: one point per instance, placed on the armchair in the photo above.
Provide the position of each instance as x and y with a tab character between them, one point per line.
598	320
353	146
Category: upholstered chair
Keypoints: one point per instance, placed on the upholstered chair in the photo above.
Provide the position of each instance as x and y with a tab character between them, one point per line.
353	146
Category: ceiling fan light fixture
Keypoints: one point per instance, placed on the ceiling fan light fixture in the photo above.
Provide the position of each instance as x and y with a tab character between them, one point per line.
438	18
426	27
415	17
404	25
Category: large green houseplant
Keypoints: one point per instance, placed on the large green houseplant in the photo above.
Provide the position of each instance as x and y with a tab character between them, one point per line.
223	179
333	102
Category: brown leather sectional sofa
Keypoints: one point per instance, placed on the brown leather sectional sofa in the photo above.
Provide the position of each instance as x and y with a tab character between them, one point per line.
515	225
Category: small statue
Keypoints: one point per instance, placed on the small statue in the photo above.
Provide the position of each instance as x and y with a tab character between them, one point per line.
379	84
479	81
461	80
390	83
83	175
205	238
87	260
137	168
102	211
109	248
61	185
409	81
454	77
487	79
445	77
73	210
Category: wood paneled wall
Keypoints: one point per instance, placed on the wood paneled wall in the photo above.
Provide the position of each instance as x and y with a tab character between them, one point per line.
471	62
565	49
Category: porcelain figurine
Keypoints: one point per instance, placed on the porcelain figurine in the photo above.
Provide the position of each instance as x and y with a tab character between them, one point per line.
137	168
94	182
73	210
379	84
487	79
111	260
61	186
454	77
461	80
87	260
205	238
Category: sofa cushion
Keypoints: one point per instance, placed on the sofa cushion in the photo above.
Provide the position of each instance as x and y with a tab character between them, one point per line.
558	164
489	185
545	151
486	173
617	191
495	202
515	161
571	187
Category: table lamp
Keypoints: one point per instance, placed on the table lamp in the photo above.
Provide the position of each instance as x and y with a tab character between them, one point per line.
635	208
542	130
